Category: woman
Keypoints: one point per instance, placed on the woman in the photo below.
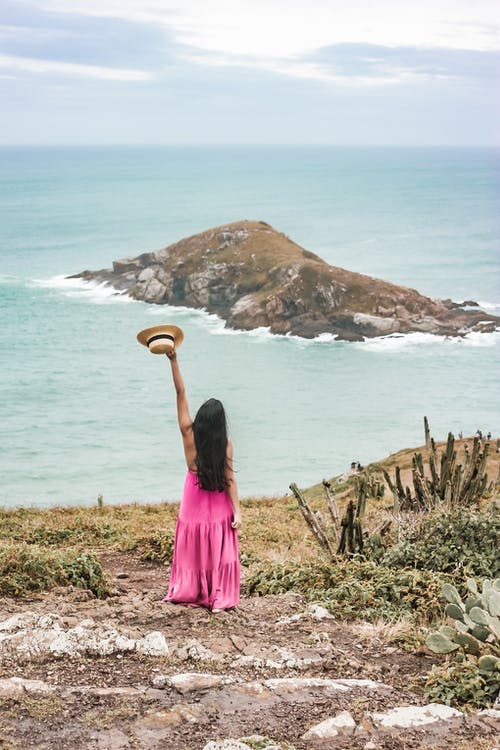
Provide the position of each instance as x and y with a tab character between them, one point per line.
205	569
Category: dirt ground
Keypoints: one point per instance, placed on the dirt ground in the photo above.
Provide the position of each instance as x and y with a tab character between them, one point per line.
246	648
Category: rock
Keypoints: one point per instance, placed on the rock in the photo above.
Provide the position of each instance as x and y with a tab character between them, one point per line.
15	687
191	682
369	684
313	612
256	276
153	644
193	650
33	636
301	684
411	717
317	612
179	714
490	717
343	723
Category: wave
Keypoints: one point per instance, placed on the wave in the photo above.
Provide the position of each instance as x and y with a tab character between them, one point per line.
407	341
102	293
91	291
491	307
6	278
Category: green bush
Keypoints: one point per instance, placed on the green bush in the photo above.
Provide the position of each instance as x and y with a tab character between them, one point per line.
357	589
465	542
462	682
26	567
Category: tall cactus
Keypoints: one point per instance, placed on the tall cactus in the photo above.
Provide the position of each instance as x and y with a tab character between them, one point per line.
348	531
450	484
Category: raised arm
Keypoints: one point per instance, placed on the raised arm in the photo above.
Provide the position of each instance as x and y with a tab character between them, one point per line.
183	416
232	487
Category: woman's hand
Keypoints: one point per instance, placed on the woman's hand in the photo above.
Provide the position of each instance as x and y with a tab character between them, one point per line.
172	354
236	524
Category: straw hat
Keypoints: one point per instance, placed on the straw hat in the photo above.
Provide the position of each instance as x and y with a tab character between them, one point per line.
161	339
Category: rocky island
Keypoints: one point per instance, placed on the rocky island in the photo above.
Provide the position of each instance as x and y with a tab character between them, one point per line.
251	275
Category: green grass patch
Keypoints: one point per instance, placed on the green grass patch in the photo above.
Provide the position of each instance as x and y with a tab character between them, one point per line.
26	568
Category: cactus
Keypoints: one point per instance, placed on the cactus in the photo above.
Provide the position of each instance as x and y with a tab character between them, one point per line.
489	664
451	485
476	623
348	531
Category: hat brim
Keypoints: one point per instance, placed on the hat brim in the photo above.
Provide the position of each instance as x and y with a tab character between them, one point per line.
174	332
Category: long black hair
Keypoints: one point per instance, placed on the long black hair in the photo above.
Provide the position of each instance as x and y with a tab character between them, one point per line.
210	439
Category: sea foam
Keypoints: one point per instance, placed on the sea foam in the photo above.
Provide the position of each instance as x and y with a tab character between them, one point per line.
90	291
103	293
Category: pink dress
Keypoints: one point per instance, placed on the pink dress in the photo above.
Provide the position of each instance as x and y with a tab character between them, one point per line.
205	569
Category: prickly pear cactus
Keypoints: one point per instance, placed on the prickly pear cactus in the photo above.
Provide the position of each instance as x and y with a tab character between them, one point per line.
475	623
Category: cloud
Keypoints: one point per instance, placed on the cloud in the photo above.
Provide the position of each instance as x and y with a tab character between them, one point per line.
33	65
286	28
376	74
286	38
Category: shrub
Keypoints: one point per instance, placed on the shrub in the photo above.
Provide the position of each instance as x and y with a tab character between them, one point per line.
461	682
463	541
358	589
26	567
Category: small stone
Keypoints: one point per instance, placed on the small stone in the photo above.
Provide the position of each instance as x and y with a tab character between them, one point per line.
122	575
317	612
370	746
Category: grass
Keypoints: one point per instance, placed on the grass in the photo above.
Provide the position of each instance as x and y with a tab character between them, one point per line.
43	548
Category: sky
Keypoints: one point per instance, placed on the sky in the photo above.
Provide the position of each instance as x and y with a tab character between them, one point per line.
237	72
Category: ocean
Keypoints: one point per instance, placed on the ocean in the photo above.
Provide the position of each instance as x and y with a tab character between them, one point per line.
85	410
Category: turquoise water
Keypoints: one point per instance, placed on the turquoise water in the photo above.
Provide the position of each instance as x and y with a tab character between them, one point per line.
86	411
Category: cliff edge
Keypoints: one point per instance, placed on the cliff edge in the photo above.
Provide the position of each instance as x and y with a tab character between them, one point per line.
252	275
